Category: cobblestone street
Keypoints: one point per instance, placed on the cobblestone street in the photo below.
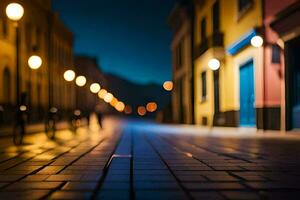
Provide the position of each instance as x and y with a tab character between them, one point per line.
136	160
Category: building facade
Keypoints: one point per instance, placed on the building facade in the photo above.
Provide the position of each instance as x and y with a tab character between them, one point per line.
244	63
181	22
42	34
283	28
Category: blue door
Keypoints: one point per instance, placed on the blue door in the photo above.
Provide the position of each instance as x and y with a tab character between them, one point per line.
247	98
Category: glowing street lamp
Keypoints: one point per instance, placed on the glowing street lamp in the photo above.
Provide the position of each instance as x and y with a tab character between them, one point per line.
214	64
102	93
128	110
151	107
108	97
14	11
95	88
120	106
142	110
168	85
257	41
80	81
69	75
35	62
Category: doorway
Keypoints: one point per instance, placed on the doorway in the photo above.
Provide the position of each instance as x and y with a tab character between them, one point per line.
293	84
247	97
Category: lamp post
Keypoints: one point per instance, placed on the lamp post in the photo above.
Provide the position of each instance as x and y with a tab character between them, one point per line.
15	12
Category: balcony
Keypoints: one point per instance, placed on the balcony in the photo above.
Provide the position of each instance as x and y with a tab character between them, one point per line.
215	40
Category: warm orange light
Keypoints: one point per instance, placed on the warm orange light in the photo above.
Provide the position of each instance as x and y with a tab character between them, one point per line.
151	107
142	110
120	106
128	110
108	97
113	102
102	93
168	85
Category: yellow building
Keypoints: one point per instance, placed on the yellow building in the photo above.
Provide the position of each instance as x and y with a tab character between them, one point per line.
42	34
227	68
180	20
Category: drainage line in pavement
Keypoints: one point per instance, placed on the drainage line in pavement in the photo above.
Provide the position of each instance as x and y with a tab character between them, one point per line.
169	168
132	193
105	169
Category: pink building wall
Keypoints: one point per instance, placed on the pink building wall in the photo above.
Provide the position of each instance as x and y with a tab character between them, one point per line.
274	73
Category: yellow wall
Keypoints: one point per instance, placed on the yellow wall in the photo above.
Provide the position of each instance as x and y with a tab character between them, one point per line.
234	27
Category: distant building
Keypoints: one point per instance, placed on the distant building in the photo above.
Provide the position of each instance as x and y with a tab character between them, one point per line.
41	33
181	22
85	100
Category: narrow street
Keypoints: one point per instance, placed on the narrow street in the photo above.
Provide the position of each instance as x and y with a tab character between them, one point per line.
141	160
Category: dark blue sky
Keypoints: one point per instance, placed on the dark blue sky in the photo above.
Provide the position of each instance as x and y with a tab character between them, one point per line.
129	37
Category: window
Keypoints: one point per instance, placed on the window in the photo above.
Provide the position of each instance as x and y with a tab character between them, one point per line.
216	17
244	5
203	86
276	53
203	30
179	55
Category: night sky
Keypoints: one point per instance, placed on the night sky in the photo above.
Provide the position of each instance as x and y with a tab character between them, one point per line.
130	37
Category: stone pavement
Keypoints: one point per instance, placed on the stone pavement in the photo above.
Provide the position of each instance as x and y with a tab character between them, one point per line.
130	161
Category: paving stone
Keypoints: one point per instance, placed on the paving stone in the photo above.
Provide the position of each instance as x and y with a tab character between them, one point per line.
213	186
114	195
154	185
59	177
116	186
33	185
160	195
206	195
80	186
241	195
51	170
36	177
10	178
71	195
24	195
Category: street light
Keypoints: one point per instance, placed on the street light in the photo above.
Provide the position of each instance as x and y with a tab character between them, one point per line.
141	110
168	85
35	62
257	41
108	97
69	75
214	64
14	11
95	88
102	93
151	107
80	81
120	106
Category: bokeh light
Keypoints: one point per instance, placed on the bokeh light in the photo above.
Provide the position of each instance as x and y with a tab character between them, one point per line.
35	62
108	97
128	109
151	107
168	85
102	93
69	75
80	81
214	64
95	88
14	11
141	110
120	106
